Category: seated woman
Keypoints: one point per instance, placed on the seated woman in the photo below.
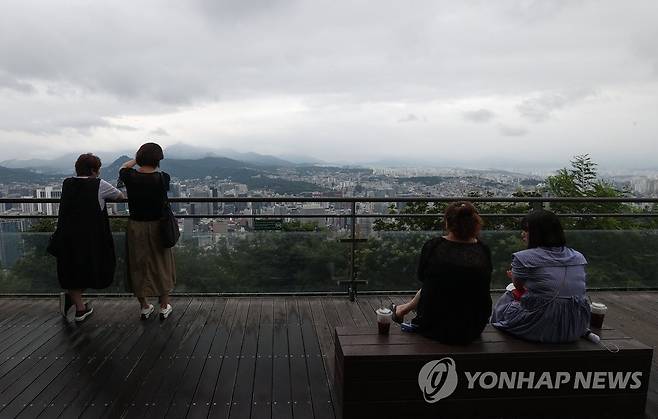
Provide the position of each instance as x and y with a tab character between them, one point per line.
553	306
454	303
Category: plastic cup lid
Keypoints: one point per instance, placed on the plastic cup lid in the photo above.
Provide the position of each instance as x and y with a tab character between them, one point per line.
384	311
599	306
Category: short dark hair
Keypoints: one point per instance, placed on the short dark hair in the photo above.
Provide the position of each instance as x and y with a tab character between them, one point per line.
463	220
87	164
544	229
149	154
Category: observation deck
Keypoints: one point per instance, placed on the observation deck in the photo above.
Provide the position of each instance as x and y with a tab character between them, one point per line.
219	357
252	330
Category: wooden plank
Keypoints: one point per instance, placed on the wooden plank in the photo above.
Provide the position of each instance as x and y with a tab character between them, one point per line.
144	397
72	362
371	303
103	393
141	362
325	336
31	345
341	305
492	349
244	383
23	335
58	361
630	321
38	369
129	371
173	378
319	386
14	311
86	403
369	314
369	338
262	394
281	385
223	395
100	352
356	313
182	400
299	376
208	381
331	313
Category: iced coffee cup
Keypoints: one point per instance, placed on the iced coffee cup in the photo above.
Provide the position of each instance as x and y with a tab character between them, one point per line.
598	313
384	320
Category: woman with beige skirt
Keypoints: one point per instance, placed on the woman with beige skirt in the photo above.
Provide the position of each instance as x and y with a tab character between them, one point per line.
151	267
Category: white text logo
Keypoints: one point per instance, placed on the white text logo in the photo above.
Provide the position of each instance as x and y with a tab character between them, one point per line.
438	379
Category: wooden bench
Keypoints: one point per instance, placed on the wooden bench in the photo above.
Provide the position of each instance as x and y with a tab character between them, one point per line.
406	375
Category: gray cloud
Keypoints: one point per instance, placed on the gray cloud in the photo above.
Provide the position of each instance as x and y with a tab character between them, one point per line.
479	116
11	83
410	118
81	123
511	131
160	132
540	107
276	73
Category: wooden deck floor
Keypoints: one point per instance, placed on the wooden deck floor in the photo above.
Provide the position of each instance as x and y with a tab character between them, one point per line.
265	357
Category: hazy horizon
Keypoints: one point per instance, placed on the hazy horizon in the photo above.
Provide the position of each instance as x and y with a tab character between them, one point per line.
479	84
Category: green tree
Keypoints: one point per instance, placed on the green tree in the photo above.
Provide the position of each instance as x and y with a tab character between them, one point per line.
581	181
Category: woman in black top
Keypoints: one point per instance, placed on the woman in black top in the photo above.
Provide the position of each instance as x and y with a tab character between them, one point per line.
151	268
454	303
83	242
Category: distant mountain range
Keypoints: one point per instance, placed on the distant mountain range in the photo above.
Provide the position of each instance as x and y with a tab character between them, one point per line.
63	165
8	175
257	176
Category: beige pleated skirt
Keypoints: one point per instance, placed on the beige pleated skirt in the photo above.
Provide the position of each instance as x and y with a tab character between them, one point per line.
151	266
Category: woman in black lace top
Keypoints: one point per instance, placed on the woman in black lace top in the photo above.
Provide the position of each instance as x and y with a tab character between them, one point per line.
454	303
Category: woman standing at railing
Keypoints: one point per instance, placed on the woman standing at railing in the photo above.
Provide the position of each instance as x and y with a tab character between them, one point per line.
454	304
83	242
151	267
547	302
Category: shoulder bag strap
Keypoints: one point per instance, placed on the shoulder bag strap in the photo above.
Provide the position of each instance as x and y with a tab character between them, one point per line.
165	202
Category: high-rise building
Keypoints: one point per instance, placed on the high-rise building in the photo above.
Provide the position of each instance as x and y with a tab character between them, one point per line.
48	192
200	208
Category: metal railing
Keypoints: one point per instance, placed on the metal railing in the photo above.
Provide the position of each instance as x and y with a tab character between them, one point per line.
352	280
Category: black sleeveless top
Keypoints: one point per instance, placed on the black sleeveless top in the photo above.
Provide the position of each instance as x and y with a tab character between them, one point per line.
146	193
455	300
83	241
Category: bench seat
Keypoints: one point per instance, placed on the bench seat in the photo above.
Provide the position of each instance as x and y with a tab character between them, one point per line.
406	375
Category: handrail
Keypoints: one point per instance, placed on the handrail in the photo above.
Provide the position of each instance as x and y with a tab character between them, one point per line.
534	199
357	200
328	216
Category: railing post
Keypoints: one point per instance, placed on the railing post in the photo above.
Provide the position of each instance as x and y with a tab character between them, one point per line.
352	270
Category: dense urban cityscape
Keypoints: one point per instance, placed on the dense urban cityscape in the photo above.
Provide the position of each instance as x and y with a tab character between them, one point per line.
308	181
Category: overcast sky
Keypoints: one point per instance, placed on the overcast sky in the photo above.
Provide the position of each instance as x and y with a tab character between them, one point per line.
470	81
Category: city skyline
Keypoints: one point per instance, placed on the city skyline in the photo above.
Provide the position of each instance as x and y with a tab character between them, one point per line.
505	85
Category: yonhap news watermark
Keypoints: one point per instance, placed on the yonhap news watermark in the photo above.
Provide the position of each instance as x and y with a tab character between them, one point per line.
440	378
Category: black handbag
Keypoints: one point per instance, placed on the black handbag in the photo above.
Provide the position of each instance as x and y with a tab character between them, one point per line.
169	231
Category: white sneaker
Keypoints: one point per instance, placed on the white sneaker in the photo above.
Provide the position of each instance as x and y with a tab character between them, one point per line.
165	312
80	316
146	312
